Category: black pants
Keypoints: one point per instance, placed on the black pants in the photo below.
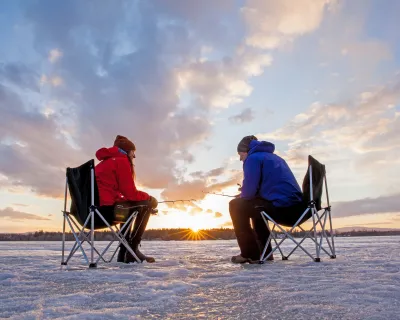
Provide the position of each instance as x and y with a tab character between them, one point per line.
252	241
135	235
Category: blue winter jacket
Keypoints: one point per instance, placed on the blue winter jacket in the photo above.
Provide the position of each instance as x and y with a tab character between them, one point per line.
268	176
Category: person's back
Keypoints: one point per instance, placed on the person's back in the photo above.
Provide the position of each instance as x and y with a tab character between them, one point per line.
277	182
114	178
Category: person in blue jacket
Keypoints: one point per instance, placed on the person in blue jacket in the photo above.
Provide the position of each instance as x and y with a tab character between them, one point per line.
268	182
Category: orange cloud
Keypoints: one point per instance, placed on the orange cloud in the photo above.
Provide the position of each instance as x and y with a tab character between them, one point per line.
218	215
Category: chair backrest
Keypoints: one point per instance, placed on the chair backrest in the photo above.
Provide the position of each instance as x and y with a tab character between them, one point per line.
79	185
318	175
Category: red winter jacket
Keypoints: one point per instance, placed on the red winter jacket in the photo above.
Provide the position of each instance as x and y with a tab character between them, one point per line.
114	178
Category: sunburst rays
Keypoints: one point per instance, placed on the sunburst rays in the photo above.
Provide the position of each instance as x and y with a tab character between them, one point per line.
195	234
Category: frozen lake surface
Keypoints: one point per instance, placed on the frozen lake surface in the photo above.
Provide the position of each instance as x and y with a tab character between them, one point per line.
195	280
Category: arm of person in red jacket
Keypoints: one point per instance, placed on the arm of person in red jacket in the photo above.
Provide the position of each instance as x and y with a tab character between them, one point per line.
126	184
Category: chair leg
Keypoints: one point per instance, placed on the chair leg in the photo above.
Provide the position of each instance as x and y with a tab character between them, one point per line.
78	242
325	236
64	217
302	240
323	233
120	238
63	263
76	246
271	236
287	235
317	259
127	226
276	243
81	237
333	256
317	219
92	263
84	237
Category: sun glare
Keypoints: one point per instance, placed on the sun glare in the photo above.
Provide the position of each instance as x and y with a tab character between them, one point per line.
190	234
195	229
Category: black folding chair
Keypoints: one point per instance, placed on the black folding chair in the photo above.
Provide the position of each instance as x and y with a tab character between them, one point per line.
313	184
84	217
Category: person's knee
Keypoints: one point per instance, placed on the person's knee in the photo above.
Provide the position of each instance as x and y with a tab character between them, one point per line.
153	203
235	206
232	206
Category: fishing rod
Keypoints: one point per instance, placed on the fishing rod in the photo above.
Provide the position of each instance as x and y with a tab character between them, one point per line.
173	201
223	194
220	194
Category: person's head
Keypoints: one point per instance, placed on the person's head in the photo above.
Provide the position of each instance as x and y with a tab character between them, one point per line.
127	146
244	147
124	144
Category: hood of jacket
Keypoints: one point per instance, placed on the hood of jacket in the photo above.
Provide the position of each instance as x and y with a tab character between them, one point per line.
261	146
106	153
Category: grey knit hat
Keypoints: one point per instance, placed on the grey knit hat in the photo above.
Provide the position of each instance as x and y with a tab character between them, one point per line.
243	145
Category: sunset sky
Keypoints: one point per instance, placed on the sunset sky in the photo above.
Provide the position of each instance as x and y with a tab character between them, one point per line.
186	80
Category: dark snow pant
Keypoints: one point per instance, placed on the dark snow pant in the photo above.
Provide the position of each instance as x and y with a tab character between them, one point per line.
135	235
252	241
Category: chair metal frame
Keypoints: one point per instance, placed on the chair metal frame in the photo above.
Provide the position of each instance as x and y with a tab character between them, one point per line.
319	217
81	235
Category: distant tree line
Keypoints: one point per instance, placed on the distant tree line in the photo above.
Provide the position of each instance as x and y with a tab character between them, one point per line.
175	234
368	233
152	234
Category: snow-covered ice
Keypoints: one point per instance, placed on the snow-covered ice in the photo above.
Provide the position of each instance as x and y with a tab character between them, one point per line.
195	280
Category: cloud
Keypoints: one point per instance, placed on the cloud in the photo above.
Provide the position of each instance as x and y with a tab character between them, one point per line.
56	81
20	205
198	188
114	73
209	211
54	55
273	23
220	84
382	204
218	215
19	75
359	54
354	139
209	174
28	158
247	115
14	215
195	210
227	224
138	89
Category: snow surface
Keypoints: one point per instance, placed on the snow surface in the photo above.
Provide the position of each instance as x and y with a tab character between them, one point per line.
195	280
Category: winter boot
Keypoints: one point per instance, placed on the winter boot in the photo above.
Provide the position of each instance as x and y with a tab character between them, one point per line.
130	258
240	259
121	254
143	257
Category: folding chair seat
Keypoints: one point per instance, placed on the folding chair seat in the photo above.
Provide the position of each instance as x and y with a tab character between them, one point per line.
84	217
313	185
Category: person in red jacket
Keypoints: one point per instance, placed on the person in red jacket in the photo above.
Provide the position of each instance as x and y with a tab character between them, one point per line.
115	177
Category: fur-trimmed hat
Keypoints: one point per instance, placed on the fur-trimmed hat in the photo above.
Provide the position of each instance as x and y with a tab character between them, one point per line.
124	143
